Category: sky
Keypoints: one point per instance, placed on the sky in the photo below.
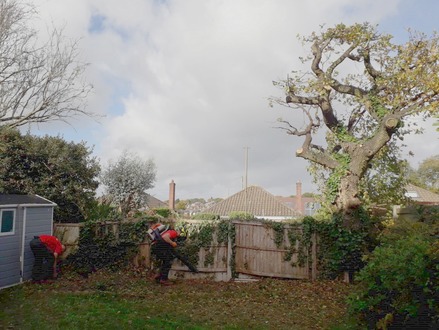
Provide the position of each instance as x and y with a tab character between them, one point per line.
187	84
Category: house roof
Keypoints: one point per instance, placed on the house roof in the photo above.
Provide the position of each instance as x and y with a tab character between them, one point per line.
25	200
421	196
292	201
154	203
253	200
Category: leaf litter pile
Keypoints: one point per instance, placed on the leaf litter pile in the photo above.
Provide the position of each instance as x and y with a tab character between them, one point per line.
205	304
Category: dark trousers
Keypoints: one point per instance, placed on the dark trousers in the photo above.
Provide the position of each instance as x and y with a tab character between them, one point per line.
163	252
44	260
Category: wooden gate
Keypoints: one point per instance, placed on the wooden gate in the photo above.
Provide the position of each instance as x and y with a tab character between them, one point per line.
261	251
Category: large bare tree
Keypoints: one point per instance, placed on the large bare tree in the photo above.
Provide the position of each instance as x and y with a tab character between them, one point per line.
38	82
362	90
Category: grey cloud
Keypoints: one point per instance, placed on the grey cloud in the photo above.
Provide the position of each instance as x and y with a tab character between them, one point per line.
199	77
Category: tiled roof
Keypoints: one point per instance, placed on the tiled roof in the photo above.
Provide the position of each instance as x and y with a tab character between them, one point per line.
15	199
253	200
154	203
421	196
292	201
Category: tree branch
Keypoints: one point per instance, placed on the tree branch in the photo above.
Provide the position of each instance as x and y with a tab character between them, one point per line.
309	150
368	65
37	84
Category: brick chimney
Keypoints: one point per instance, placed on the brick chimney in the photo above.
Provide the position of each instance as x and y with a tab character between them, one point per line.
299	204
172	196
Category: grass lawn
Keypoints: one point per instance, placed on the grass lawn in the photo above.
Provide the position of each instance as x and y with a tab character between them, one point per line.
130	300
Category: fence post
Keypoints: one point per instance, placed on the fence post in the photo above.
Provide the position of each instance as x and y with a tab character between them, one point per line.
229	252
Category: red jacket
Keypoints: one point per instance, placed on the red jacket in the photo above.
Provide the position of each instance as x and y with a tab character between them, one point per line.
52	243
172	234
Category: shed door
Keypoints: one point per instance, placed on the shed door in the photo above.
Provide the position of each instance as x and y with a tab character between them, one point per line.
11	229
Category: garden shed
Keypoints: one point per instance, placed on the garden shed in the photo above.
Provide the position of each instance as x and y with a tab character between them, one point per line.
21	218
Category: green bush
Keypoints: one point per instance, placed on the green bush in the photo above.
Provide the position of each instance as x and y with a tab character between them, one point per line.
340	249
429	214
200	236
398	288
163	212
99	248
91	257
101	212
205	216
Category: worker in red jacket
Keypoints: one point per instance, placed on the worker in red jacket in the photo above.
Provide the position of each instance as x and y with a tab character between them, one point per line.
46	250
162	249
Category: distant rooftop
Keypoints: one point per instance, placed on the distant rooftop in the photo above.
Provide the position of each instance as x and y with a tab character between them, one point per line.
421	196
256	201
155	203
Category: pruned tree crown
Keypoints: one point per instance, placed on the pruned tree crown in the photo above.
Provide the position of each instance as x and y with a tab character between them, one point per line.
361	89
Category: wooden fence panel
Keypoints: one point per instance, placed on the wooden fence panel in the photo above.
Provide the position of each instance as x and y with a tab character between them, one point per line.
68	234
213	261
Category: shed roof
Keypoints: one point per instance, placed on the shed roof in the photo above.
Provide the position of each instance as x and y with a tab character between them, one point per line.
253	200
25	200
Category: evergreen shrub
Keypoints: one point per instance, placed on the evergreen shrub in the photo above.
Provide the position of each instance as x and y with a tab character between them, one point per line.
399	286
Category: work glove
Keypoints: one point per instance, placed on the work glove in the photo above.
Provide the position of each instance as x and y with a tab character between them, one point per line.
174	244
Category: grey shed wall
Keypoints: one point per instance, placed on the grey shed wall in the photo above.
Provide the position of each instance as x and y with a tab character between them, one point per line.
16	258
39	221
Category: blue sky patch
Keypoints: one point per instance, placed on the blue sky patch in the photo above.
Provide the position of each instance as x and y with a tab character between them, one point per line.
121	89
97	24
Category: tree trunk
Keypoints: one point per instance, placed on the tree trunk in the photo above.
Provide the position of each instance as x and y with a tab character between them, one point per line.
348	201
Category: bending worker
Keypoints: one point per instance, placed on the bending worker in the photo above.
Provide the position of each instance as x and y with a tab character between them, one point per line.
46	250
163	248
